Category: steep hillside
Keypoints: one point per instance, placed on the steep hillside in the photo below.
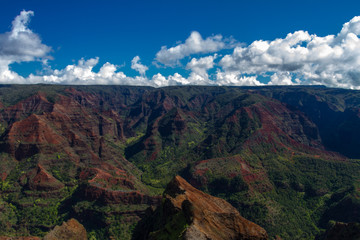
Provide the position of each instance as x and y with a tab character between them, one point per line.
334	111
285	157
187	213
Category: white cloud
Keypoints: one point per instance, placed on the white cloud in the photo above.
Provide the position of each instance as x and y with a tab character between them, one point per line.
137	66
194	44
201	66
82	73
264	56
333	60
20	45
352	26
236	79
299	58
158	80
282	79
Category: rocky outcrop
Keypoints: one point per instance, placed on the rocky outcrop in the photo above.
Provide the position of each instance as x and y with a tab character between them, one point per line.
92	192
40	180
104	179
70	230
189	213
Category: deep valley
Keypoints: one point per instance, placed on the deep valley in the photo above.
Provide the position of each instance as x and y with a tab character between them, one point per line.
286	158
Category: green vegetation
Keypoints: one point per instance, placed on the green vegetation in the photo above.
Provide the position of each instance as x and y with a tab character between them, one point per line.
29	214
173	229
12	94
306	193
109	221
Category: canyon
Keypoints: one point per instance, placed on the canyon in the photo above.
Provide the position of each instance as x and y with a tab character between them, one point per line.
285	158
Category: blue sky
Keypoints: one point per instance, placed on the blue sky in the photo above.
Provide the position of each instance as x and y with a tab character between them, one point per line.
154	42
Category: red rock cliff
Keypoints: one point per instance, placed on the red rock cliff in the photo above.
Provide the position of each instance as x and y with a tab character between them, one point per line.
205	216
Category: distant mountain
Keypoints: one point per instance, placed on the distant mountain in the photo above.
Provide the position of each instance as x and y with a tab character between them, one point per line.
285	157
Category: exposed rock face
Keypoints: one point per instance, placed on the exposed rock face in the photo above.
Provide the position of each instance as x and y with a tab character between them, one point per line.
34	104
193	214
107	196
105	179
70	230
41	180
340	231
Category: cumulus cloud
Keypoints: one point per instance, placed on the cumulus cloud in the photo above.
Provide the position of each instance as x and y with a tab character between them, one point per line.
201	66
20	45
333	60
299	58
236	79
137	66
159	80
82	73
194	44
282	79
